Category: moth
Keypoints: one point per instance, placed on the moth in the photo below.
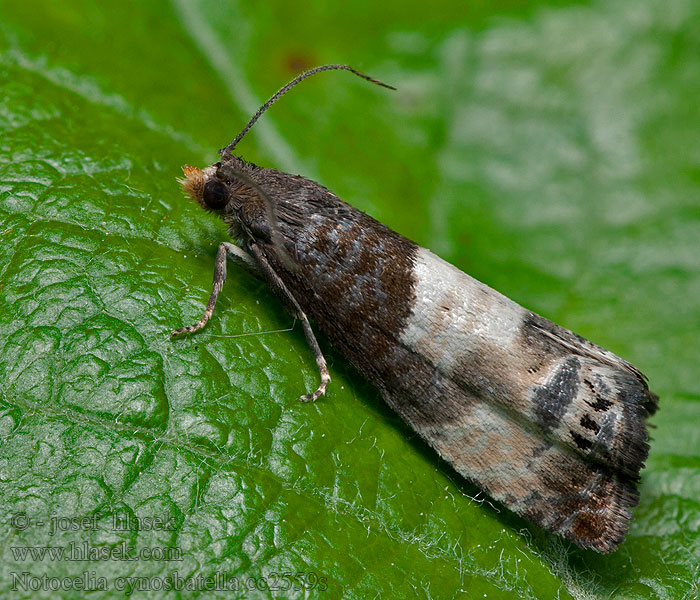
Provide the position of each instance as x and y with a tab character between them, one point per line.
544	421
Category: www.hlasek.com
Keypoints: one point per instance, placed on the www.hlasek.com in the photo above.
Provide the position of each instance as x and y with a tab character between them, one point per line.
89	581
86	552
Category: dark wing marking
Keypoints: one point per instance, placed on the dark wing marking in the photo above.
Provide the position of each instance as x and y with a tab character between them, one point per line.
546	483
547	423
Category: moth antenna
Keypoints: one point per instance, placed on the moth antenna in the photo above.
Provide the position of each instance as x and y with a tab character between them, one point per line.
250	333
229	172
288	87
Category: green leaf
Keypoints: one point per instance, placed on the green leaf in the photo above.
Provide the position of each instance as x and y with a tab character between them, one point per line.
550	151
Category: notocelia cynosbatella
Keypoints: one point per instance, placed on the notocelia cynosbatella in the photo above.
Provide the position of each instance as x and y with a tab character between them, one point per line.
544	421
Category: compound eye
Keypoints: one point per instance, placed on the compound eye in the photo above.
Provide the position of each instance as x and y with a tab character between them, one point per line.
215	195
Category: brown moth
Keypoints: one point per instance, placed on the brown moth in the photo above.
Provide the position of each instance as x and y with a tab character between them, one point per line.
546	422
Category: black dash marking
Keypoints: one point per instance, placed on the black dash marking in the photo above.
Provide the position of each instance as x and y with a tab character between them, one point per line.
581	442
589	423
552	399
600	404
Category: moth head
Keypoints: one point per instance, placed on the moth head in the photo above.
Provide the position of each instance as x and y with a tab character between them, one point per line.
218	187
205	188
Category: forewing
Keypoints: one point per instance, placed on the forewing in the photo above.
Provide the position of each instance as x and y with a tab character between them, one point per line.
546	422
549	423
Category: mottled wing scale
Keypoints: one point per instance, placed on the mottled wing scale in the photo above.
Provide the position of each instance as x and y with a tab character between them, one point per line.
575	392
546	422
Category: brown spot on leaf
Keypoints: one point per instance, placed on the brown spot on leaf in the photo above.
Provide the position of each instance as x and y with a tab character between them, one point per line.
297	61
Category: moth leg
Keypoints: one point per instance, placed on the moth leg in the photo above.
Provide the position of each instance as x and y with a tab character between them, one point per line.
226	249
277	283
240	256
